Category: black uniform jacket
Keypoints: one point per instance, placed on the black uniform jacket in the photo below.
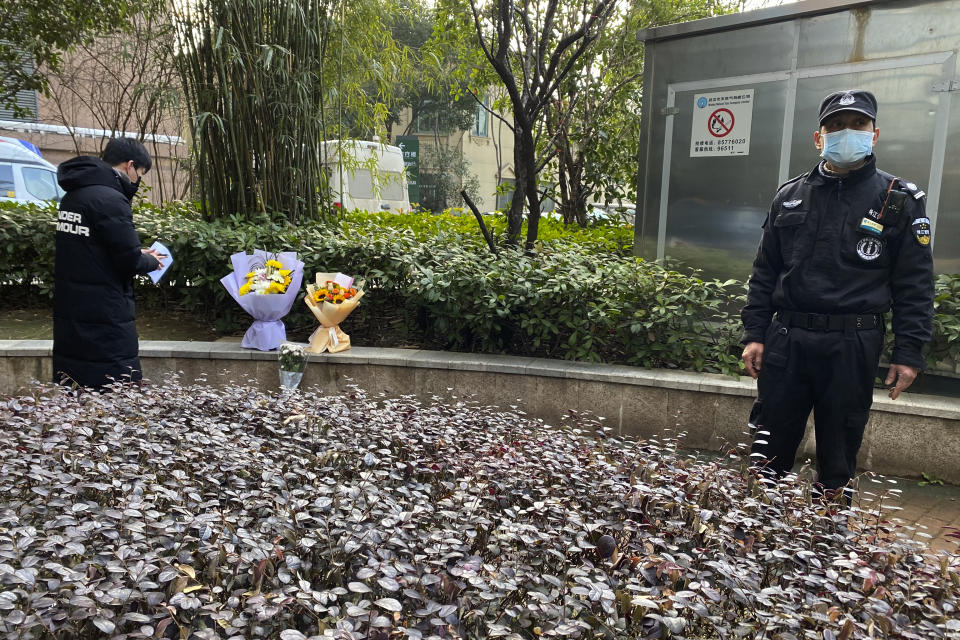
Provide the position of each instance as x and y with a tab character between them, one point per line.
98	253
824	250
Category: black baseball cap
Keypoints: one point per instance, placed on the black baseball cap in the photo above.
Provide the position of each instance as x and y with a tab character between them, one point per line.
849	100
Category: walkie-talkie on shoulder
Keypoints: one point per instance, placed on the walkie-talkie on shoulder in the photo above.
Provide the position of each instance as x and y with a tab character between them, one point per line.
892	206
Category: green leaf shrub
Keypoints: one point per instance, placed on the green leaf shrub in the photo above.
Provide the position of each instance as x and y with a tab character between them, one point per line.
566	304
431	282
27	234
601	237
945	346
193	512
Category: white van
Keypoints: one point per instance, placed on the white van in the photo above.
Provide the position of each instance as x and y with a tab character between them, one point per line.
25	176
372	179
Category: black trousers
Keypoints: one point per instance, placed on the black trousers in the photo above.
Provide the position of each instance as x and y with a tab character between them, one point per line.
830	372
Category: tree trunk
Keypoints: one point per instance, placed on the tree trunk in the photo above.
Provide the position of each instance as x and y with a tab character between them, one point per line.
528	151
566	210
524	172
578	195
573	196
525	189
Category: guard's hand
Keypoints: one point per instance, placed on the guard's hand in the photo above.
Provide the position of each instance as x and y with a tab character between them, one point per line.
903	376
753	358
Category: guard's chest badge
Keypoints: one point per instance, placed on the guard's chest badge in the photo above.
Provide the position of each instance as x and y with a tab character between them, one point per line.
869	249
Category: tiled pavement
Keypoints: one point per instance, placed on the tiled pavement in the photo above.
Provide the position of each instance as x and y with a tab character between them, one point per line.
927	512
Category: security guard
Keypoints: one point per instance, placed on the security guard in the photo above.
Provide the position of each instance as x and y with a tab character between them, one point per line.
841	245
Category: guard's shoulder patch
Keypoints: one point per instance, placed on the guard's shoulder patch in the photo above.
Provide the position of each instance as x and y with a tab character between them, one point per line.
911	188
922	230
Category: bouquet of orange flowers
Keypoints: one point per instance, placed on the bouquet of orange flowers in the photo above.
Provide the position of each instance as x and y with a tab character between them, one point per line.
331	299
331	292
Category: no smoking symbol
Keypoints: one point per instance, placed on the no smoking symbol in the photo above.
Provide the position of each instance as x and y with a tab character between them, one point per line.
720	123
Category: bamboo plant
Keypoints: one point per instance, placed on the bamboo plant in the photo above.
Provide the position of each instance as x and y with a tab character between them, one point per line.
266	81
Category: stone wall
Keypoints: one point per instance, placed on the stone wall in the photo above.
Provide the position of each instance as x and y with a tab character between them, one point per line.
913	435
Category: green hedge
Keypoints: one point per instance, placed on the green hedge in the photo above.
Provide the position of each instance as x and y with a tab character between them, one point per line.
432	283
945	346
601	237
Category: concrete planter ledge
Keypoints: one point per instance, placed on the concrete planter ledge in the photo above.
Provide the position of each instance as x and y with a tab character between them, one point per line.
913	435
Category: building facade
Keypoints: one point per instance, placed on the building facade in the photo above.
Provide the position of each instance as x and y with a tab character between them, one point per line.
480	159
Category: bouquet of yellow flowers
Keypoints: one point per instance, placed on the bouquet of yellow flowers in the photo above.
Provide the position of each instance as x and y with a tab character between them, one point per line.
265	285
270	278
331	299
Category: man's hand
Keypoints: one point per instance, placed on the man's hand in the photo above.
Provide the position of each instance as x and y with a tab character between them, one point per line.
903	376
156	254
753	358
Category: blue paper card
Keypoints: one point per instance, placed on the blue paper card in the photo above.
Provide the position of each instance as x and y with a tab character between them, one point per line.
164	264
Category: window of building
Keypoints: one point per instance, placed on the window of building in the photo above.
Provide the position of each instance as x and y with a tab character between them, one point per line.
505	193
25	101
481	123
427	122
7	187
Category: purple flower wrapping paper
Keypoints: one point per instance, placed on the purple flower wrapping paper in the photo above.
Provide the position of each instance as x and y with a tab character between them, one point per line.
267	331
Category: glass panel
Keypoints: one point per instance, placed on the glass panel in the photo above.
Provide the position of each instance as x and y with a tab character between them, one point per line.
946	232
40	183
504	199
906	118
427	123
360	184
907	121
887	30
648	185
481	119
717	203
715	55
7	186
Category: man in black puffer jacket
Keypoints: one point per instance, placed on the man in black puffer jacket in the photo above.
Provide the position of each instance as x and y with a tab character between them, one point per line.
98	253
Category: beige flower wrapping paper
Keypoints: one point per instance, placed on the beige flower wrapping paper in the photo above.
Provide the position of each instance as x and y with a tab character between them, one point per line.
332	299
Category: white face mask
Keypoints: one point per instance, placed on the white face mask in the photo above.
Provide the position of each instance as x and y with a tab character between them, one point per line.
847	148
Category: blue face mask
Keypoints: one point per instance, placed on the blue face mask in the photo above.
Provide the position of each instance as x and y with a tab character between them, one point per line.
846	148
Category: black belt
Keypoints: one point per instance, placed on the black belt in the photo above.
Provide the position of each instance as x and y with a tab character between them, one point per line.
821	322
